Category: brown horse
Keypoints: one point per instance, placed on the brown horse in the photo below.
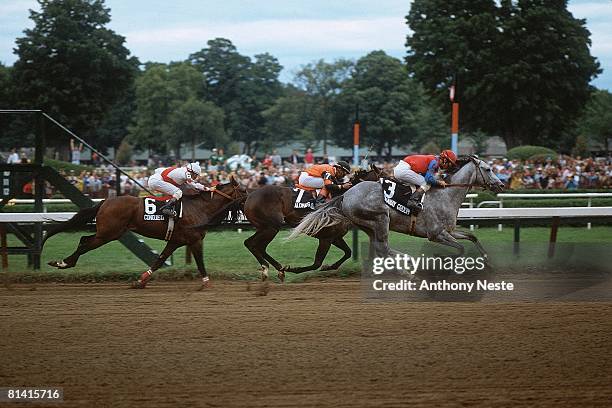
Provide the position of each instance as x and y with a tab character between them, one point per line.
117	215
270	207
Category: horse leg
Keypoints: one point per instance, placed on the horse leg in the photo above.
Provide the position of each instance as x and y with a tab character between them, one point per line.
341	244
252	244
86	244
171	246
445	238
197	252
322	250
377	229
471	237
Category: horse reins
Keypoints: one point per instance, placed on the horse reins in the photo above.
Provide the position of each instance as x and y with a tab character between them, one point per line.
214	190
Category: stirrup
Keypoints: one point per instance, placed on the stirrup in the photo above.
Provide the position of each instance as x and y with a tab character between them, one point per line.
169	212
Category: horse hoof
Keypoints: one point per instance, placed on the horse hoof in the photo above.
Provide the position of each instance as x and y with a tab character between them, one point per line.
205	284
281	276
138	285
264	273
327	268
58	264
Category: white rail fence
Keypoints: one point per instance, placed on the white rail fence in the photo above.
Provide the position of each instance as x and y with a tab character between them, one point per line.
500	203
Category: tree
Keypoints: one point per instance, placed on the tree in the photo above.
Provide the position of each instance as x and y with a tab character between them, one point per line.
243	88
159	90
323	82
5	87
523	66
581	148
596	122
289	119
259	89
393	108
195	122
114	128
71	65
12	127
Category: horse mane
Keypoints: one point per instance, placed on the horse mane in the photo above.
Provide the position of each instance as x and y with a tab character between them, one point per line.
462	161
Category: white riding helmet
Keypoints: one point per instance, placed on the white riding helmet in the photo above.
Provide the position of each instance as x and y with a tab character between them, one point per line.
194	168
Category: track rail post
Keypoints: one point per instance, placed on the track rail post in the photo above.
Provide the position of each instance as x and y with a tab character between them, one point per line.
553	236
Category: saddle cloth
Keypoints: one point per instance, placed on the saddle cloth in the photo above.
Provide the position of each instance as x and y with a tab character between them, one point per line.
396	194
152	207
302	197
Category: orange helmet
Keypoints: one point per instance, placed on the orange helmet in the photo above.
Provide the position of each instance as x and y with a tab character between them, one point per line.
448	157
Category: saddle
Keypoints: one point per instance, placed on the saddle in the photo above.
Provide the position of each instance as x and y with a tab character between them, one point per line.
152	212
308	197
397	195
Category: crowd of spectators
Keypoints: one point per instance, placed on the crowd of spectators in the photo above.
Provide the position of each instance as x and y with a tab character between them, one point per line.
563	172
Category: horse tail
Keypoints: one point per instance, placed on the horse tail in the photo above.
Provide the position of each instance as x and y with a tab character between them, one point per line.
78	221
326	216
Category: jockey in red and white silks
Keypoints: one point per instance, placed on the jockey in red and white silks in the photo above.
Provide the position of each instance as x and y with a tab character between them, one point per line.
168	180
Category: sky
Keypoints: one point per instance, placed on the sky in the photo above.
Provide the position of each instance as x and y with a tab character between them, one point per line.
294	31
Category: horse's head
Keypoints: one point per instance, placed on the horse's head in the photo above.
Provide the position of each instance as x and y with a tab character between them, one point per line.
485	176
230	191
372	174
233	195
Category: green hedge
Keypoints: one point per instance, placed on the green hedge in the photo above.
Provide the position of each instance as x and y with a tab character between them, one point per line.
527	152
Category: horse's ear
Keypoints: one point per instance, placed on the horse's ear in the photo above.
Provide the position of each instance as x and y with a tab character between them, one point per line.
233	180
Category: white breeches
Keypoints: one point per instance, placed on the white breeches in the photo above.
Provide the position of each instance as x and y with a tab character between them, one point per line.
405	174
156	183
307	180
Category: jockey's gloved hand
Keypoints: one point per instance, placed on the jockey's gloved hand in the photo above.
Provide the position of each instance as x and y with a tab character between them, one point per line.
441	183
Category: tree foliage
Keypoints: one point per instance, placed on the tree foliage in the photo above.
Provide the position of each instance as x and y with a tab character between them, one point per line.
596	121
523	66
242	87
71	65
393	108
169	110
322	82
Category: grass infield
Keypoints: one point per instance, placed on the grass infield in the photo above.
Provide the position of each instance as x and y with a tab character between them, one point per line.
226	257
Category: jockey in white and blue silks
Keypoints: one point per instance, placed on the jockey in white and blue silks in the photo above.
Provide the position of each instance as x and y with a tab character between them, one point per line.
168	180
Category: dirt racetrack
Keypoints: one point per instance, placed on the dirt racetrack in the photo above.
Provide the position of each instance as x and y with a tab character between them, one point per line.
312	344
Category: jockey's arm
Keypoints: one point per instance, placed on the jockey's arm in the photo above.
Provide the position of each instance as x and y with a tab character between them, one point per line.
191	183
331	186
196	186
430	175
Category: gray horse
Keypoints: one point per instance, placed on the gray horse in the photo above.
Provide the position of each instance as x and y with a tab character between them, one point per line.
364	206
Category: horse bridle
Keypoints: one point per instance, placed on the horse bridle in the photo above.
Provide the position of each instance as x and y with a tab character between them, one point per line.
485	184
214	190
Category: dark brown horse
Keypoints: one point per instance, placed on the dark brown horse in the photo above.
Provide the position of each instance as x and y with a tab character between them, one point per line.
117	215
269	208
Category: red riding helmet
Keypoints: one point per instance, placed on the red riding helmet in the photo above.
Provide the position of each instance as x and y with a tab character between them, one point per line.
448	158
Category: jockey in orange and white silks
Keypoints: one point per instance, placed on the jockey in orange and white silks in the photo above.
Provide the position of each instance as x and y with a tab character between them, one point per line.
168	180
420	170
325	175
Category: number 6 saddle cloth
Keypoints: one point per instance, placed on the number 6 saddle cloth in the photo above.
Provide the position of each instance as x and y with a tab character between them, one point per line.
152	212
153	204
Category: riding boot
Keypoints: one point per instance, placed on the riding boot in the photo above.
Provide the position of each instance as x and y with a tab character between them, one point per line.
415	201
316	201
168	208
